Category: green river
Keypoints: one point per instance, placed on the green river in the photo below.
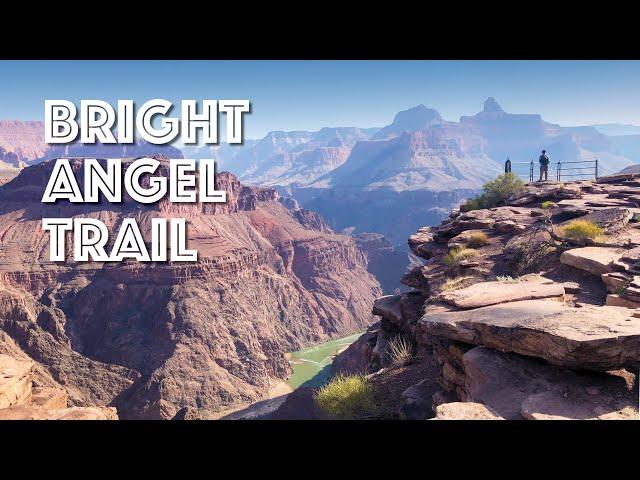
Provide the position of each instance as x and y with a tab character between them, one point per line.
312	365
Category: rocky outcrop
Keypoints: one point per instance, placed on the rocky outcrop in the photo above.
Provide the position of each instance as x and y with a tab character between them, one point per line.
590	337
530	287
516	387
522	322
153	338
20	400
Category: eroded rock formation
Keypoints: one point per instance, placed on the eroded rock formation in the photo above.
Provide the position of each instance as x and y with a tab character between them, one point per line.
154	338
528	322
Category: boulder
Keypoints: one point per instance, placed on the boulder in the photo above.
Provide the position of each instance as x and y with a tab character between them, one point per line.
516	387
418	242
615	281
417	401
482	294
465	411
614	300
589	337
15	381
509	226
611	220
595	260
388	307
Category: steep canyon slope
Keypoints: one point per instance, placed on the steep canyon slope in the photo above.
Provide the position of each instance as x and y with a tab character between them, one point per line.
152	338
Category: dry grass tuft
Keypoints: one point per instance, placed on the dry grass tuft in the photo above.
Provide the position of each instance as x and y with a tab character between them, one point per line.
347	397
581	230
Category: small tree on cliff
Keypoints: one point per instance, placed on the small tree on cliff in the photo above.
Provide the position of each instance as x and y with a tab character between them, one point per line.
496	192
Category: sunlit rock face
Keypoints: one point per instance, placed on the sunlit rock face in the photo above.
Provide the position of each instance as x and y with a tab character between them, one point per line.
152	338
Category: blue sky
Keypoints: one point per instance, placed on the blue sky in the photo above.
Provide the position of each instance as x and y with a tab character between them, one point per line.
308	95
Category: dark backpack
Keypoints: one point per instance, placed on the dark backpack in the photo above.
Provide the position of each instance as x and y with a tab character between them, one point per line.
544	160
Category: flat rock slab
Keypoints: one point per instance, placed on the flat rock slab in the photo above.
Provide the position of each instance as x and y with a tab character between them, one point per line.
590	337
491	293
595	260
465	411
517	387
583	404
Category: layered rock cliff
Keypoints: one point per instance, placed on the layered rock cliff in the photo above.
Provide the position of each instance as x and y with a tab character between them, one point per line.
152	338
530	322
22	143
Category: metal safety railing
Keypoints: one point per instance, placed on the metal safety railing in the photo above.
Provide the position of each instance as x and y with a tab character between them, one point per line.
586	169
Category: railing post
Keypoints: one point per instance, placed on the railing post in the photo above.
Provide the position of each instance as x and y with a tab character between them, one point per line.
531	171
558	171
596	168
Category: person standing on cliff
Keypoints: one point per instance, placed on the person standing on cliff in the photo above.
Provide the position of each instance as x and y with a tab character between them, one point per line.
544	165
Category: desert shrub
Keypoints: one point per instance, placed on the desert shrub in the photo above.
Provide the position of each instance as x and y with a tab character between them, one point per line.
548	204
477	240
496	192
400	350
347	397
457	282
457	254
581	230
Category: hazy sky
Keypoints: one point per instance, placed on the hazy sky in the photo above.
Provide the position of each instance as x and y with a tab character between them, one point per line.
308	95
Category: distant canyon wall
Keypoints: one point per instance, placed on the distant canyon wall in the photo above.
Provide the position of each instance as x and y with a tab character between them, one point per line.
393	214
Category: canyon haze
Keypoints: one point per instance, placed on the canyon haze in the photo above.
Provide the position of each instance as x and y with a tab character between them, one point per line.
411	172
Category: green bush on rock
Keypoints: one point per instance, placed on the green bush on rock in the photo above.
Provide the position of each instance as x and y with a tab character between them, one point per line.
347	397
496	192
581	230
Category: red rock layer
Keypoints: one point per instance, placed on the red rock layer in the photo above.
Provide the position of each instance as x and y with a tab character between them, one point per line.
153	338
